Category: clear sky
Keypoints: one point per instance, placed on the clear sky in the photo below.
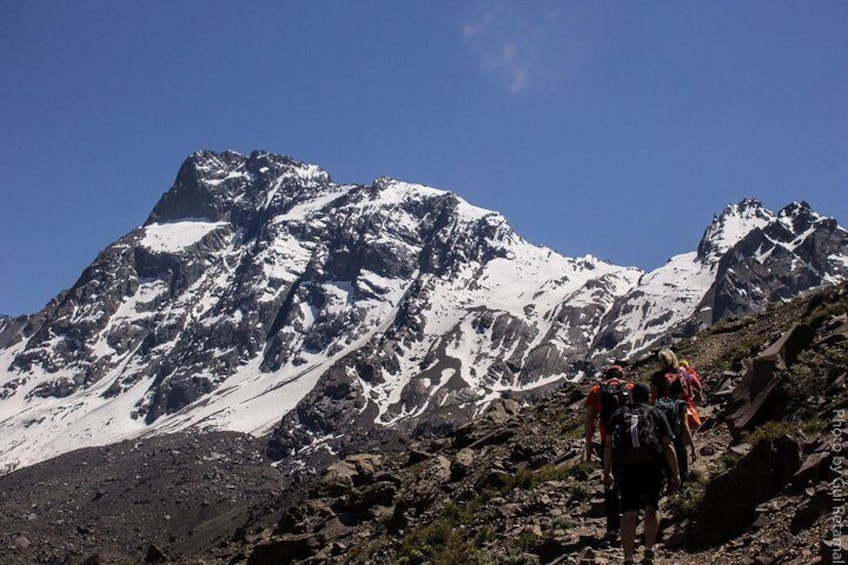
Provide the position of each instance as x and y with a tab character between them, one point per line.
611	128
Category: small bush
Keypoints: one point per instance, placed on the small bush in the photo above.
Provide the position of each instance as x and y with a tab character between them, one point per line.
526	479
525	541
573	428
686	501
729	460
565	523
449	539
814	426
768	431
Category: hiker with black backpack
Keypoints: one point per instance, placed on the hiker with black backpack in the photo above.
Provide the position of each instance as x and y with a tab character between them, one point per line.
639	442
674	408
604	399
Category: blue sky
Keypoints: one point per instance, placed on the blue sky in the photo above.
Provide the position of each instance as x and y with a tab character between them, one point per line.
611	128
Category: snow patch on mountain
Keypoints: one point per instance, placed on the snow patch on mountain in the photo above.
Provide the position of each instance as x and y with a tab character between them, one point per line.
176	236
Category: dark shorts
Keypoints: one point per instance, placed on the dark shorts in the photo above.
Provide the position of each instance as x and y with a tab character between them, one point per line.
639	485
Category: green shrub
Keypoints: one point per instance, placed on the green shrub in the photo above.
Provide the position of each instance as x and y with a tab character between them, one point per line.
685	502
768	431
449	539
815	426
440	543
527	479
729	460
525	541
579	489
574	427
565	523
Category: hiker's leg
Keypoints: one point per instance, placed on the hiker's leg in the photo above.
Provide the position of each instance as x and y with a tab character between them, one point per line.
653	484
628	533
612	507
682	459
652	526
613	512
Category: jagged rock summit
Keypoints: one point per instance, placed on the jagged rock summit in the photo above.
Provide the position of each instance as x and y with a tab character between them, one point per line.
748	258
261	297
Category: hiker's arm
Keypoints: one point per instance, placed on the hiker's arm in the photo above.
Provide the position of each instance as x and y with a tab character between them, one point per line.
591	413
608	480
671	459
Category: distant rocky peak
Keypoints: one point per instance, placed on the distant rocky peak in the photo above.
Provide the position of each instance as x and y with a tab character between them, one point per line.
799	217
732	225
208	161
229	185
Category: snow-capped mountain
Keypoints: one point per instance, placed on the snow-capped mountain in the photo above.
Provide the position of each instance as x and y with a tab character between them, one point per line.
747	258
257	277
260	296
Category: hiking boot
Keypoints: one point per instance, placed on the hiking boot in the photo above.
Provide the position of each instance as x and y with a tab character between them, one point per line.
648	558
609	540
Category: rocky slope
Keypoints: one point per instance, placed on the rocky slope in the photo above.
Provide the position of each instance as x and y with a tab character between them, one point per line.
119	501
513	487
510	487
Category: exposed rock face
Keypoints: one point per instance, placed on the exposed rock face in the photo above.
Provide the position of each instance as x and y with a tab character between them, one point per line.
10	330
760	393
731	499
793	253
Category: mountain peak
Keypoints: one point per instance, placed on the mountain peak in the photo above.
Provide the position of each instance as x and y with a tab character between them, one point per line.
215	186
799	210
729	227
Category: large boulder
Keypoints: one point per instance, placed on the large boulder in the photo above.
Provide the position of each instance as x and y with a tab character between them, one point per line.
730	500
756	396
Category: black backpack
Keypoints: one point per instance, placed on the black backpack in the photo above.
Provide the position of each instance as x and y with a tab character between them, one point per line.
670	408
614	395
634	435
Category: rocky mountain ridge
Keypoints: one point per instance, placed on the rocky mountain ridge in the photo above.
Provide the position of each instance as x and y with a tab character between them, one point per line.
261	297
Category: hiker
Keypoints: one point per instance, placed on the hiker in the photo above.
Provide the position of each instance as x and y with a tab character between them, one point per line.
695	385
675	409
603	400
670	371
638	442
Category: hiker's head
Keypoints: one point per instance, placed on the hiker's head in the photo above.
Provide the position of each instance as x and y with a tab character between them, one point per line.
614	372
667	359
641	392
684	363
